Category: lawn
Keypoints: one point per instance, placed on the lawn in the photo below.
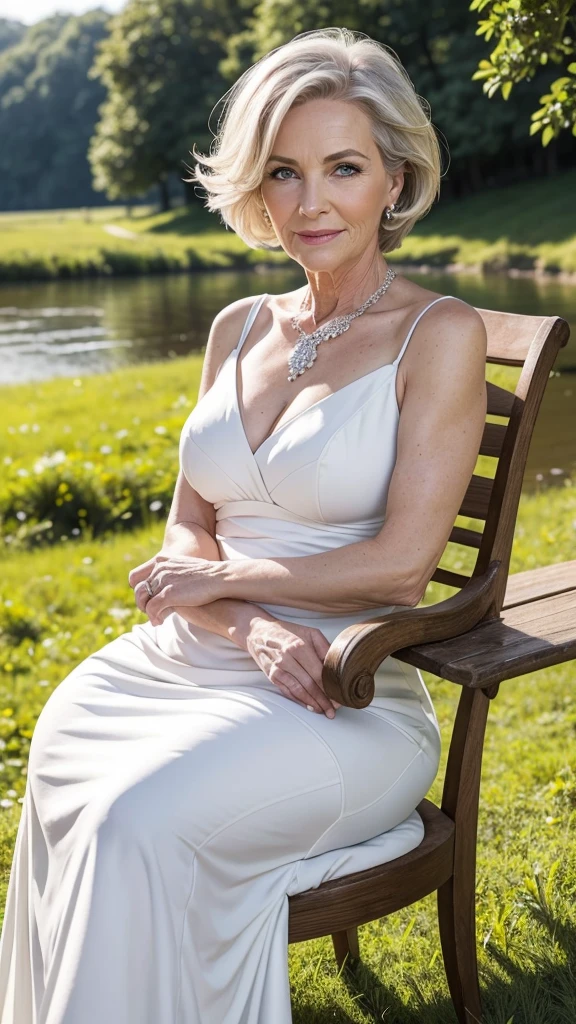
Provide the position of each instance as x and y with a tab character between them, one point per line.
69	596
531	225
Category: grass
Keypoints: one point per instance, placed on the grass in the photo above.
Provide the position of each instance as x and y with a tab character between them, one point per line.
531	225
75	243
90	456
64	600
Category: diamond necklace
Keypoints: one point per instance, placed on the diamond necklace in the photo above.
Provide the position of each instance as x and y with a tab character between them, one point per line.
304	353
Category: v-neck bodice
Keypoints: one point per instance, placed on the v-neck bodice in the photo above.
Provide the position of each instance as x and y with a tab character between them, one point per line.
327	468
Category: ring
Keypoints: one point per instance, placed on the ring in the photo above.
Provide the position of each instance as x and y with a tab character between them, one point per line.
148	588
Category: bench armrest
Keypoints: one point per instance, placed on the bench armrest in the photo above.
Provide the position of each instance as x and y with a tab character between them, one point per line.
356	653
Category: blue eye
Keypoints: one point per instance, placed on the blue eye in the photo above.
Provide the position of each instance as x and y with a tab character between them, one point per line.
275	173
354	168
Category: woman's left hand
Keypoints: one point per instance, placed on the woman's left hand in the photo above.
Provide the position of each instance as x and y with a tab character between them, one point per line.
175	581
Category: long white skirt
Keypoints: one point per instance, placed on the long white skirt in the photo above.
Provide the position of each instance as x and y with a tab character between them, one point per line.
174	799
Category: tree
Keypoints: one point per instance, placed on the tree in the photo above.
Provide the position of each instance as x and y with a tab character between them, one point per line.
11	32
160	66
528	35
47	112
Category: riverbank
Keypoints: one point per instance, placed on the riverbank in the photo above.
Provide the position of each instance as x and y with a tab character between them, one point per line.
529	228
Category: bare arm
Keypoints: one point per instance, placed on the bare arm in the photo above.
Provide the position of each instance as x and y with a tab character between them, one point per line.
439	435
190	526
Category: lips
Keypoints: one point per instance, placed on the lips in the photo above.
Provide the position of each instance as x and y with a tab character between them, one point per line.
318	237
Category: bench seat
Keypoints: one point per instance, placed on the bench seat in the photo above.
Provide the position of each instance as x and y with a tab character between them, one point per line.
536	629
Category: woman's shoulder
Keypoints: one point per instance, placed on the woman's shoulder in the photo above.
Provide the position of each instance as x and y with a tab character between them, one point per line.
458	324
223	337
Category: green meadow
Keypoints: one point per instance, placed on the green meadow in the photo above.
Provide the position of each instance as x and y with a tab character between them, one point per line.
88	468
489	230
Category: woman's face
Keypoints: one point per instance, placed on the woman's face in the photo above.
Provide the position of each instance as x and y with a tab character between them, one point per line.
326	174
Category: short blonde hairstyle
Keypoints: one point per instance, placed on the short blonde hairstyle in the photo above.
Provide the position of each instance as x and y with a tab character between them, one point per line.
328	63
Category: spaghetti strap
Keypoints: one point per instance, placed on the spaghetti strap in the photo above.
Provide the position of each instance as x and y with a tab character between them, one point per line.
409	335
253	313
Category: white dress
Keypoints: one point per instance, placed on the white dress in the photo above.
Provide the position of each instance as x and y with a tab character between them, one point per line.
175	797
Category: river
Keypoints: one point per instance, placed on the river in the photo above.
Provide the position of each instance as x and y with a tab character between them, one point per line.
74	328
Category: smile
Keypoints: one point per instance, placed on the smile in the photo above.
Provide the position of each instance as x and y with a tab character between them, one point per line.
319	239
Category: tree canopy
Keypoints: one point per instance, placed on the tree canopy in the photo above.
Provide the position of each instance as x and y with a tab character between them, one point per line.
48	107
159	65
108	107
528	35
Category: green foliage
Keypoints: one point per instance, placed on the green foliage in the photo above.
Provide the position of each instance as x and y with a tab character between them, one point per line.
68	474
529	35
47	112
11	32
159	66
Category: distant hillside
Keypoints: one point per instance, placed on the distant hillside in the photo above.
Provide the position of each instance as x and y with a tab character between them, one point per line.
11	32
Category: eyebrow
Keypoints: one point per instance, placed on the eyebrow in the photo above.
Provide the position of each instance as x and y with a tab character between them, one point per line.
326	160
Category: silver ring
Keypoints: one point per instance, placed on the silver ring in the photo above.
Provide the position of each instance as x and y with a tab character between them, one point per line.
149	588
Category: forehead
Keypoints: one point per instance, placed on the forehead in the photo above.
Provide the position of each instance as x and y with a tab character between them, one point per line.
324	126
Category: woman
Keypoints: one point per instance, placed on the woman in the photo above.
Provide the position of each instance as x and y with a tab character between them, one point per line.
189	775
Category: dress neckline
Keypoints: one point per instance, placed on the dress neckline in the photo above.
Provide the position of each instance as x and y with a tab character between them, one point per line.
378	369
296	415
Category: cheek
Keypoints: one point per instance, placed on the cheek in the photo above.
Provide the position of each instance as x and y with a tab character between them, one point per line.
365	202
281	203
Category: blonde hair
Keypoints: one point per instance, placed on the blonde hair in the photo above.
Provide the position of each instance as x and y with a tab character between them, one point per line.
328	63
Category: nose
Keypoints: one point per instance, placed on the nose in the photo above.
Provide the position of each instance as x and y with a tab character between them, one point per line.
313	199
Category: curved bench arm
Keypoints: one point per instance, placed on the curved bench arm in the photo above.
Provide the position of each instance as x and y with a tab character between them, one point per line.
356	653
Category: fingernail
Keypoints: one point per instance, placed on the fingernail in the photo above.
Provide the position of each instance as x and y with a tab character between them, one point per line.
331	714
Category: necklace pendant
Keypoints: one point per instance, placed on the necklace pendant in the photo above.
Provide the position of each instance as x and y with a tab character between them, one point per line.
304	352
302	357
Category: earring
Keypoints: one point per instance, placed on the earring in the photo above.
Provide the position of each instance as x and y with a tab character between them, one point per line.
389	211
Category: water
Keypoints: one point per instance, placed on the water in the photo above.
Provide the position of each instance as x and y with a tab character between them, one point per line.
74	328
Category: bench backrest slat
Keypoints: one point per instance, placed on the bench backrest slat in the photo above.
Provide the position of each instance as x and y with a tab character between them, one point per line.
533	343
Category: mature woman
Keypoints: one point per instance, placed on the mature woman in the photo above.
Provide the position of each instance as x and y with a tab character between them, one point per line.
189	775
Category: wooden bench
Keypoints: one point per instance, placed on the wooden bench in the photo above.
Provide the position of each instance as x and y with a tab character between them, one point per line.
496	627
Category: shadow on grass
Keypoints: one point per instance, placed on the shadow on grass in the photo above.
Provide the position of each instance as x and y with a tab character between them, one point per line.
187	221
530	987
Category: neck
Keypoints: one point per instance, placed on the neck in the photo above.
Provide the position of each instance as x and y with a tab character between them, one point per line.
335	293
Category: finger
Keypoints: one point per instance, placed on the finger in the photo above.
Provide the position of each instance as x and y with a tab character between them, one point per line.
310	657
157	605
322	646
304	674
300	693
286	693
142	596
141	572
306	689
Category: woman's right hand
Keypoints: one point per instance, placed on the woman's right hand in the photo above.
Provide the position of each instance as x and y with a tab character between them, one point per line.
291	656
